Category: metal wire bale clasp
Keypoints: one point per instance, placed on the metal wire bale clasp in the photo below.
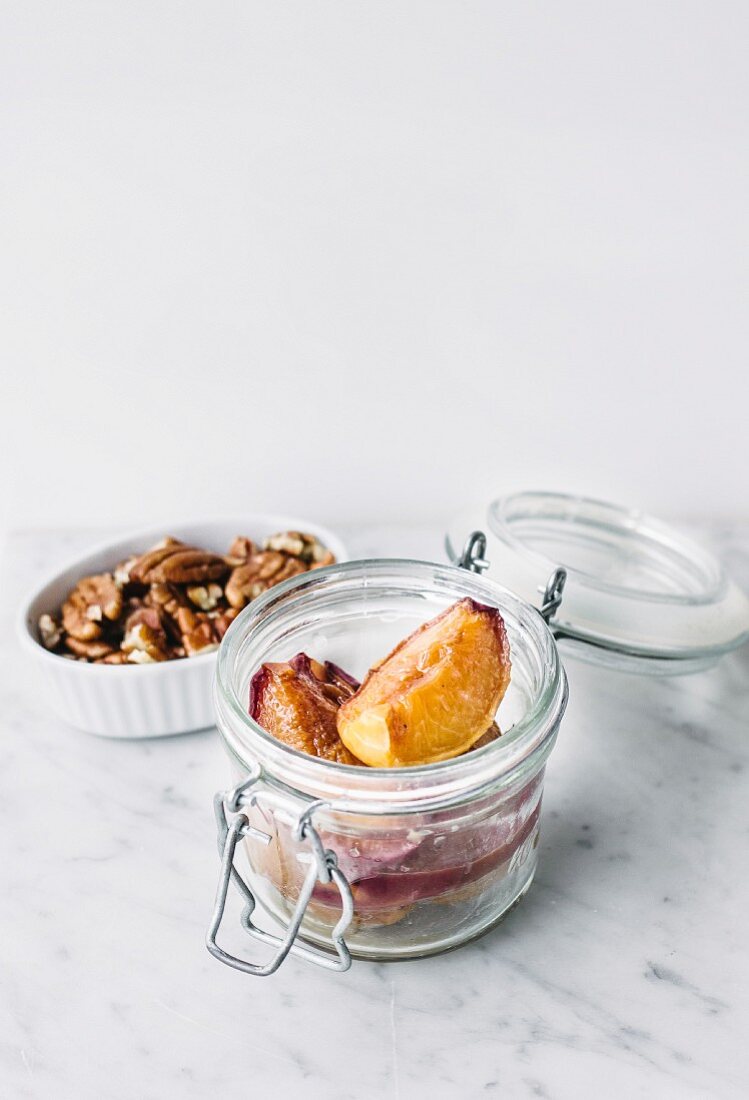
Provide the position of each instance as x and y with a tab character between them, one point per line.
474	560
323	868
552	597
473	557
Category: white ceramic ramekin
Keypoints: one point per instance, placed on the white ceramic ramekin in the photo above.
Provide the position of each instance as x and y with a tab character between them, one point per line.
140	700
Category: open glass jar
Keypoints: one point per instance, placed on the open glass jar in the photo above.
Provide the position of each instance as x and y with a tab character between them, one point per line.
372	862
396	863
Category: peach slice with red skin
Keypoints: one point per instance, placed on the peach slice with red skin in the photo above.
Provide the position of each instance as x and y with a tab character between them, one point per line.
435	695
296	701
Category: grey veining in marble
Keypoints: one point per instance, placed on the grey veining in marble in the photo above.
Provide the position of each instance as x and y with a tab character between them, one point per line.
625	972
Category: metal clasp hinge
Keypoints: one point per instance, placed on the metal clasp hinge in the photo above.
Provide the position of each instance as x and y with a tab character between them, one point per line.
323	868
474	560
473	557
552	597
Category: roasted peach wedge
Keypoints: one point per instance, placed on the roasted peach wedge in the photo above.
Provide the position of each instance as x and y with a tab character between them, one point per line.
296	701
435	695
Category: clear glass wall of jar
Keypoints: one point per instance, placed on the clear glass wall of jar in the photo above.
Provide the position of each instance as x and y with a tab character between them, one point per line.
434	855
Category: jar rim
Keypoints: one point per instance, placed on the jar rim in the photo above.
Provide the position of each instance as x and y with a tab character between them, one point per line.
354	787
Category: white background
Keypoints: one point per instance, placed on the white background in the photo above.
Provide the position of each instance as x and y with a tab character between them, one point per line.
369	260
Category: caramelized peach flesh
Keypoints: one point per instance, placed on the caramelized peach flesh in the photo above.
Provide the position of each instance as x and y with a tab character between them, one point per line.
296	701
435	695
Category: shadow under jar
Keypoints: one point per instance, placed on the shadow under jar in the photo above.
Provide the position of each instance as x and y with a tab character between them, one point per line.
379	863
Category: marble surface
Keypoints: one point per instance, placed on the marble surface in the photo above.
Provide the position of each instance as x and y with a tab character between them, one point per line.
624	973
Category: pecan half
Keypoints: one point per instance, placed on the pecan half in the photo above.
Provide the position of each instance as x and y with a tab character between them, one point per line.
198	630
187	620
300	545
149	656
91	650
203	639
261	572
149	616
174	563
154	632
167	597
92	600
115	658
328	558
139	570
223	621
240	551
144	645
190	567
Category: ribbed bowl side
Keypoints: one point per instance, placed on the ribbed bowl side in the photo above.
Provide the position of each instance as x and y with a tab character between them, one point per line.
143	707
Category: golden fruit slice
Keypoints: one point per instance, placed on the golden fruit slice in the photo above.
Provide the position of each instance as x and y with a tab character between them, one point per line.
435	695
296	701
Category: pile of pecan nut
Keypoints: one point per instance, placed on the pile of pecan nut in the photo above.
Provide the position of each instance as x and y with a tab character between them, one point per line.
173	601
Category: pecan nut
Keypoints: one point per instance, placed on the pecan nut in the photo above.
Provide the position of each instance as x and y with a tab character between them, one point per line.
167	598
328	558
205	596
143	644
49	632
139	570
174	600
261	572
240	551
153	629
300	545
191	567
92	600
149	656
121	574
187	620
174	563
89	650
223	621
116	657
203	639
198	632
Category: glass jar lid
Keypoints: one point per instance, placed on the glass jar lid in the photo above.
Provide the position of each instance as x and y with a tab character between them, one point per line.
638	593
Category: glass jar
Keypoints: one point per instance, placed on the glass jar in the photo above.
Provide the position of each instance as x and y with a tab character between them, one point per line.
379	863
